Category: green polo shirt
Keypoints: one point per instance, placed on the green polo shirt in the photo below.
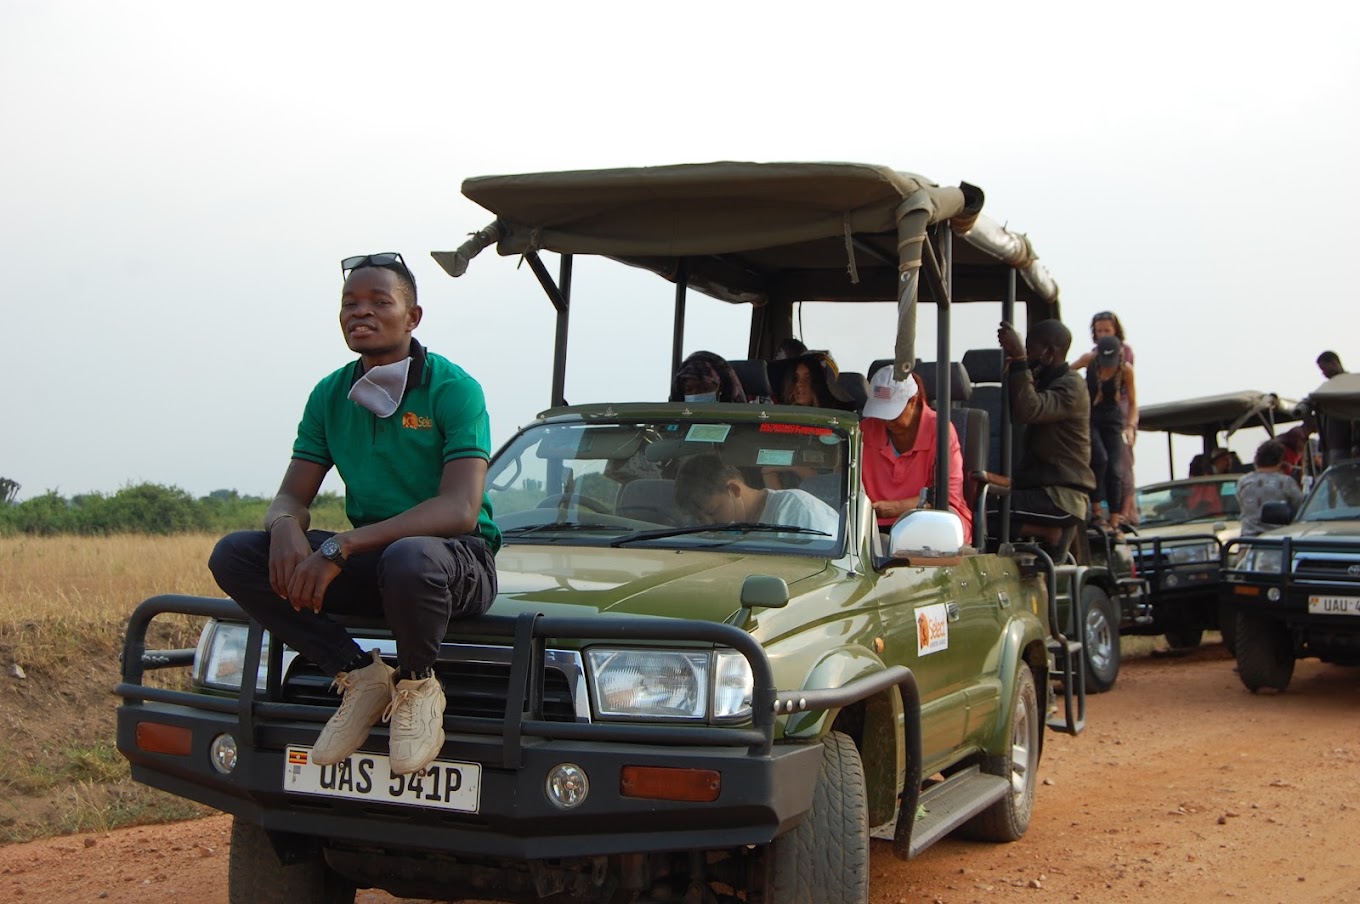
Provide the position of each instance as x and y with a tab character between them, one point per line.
392	464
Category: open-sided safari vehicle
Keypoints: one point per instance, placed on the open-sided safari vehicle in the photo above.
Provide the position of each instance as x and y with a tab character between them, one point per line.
1294	590
657	709
1184	522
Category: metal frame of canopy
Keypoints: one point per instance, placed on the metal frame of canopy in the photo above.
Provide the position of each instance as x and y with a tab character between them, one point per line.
771	235
1208	416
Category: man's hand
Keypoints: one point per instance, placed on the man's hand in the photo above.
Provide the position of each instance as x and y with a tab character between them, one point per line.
1010	341
307	587
288	548
894	508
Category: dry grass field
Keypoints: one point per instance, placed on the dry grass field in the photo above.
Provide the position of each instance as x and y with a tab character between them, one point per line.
64	602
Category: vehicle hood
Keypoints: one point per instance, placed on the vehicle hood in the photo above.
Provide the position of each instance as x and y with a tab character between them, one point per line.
1339	530
1224	529
581	581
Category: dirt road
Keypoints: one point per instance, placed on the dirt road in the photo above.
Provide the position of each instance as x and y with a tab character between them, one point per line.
1184	788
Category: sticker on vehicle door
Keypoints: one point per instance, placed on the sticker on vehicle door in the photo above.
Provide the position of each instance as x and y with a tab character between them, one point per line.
932	629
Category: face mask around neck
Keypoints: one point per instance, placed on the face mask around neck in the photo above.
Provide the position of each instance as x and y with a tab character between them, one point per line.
380	388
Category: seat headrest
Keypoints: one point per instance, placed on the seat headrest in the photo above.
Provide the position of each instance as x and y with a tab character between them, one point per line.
754	376
960	386
856	386
985	365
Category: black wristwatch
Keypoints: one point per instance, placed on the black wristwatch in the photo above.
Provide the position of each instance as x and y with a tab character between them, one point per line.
330	549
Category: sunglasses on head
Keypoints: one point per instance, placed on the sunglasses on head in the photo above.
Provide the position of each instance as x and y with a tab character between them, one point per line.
384	259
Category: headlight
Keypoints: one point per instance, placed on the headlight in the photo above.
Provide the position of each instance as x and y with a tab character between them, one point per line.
669	684
1262	559
1192	553
221	655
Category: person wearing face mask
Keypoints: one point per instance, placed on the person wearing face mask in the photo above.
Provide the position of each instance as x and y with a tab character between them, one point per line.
706	377
1053	480
408	432
713	492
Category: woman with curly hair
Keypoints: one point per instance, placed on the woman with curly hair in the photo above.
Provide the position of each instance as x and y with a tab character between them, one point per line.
1106	323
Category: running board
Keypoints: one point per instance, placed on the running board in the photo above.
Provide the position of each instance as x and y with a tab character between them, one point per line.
951	803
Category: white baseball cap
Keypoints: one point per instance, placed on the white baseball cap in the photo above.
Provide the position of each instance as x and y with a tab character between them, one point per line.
887	397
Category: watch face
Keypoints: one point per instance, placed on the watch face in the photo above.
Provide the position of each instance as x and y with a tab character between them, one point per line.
330	548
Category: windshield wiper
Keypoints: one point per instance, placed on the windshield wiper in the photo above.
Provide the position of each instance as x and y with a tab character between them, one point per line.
556	526
746	527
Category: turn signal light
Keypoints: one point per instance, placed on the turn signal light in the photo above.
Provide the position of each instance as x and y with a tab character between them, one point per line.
154	737
664	783
1246	590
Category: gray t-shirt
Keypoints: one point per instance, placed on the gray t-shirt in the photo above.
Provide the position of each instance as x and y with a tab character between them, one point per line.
1257	488
800	509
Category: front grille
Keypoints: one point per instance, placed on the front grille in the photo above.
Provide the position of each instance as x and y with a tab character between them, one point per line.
1341	567
473	688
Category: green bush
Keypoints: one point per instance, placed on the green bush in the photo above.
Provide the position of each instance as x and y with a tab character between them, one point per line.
149	508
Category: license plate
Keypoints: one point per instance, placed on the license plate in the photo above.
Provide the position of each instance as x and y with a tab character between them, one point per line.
367	776
1334	605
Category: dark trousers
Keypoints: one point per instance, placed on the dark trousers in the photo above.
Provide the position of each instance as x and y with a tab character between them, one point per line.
1107	460
417	585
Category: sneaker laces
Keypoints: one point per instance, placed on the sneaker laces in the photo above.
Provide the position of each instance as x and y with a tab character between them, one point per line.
345	683
403	707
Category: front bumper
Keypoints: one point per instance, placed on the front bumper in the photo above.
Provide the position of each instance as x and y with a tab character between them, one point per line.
765	788
1310	572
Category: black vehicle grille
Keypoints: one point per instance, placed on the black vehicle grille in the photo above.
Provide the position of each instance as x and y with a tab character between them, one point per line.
1342	568
475	689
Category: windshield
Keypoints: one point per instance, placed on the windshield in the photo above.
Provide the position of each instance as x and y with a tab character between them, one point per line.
685	483
1186	501
1336	496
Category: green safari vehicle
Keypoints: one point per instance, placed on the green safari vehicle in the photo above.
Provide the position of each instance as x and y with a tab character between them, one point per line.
660	707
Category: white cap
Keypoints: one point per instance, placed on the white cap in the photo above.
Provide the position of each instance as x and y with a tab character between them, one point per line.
887	397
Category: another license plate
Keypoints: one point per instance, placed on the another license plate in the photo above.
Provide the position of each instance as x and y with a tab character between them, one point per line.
367	776
1334	605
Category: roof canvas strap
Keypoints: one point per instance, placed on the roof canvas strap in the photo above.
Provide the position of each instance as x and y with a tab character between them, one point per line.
850	250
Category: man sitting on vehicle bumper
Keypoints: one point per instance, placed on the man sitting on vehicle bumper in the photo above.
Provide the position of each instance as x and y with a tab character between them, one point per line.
1052	484
409	434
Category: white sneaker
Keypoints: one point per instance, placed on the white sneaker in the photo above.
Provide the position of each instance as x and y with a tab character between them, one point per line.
417	717
367	692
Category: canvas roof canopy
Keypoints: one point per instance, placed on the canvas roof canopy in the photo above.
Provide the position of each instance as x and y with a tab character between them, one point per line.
1217	413
761	232
1339	397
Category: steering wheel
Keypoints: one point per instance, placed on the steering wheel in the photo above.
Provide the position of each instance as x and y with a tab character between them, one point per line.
585	502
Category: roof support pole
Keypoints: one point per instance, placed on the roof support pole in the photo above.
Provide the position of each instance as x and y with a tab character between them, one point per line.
1007	434
1170	458
559	301
678	332
559	381
939	267
912	216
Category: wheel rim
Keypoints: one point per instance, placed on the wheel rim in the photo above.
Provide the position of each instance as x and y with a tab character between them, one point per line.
1099	639
1021	752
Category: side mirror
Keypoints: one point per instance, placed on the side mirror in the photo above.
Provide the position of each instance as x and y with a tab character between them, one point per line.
927	537
765	591
1277	513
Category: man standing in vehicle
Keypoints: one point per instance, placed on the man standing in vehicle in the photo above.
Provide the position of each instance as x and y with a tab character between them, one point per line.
409	434
1052	484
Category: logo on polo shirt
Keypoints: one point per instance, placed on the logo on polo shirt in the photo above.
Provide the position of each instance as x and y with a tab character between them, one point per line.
412	421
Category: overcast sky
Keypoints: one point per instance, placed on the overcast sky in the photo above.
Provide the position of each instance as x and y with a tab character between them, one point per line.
178	182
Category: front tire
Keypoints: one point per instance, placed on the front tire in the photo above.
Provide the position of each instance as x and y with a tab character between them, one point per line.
1008	818
825	858
1099	639
1265	653
256	876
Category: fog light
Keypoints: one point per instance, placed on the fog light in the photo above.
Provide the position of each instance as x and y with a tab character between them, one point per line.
567	785
1273	594
1172	580
222	753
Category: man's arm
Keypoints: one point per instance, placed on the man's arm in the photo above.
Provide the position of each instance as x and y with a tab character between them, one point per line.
1064	400
287	520
451	513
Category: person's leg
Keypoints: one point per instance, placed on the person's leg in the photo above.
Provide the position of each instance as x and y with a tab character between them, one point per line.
1114	470
1100	461
426	581
240	565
